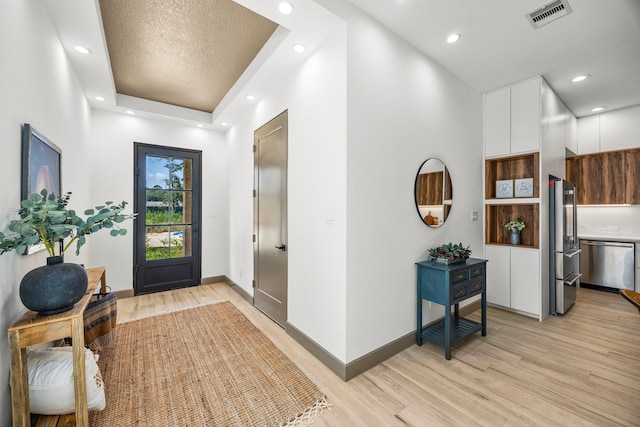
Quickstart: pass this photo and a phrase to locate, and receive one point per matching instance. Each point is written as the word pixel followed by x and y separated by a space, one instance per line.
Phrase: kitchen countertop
pixel 615 238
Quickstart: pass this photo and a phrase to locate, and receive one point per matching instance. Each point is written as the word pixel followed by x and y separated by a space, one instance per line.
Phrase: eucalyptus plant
pixel 45 218
pixel 514 224
pixel 451 251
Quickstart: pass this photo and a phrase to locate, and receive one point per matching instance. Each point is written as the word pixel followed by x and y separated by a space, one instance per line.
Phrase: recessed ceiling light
pixel 199 125
pixel 224 124
pixel 129 112
pixel 580 78
pixel 83 50
pixel 595 110
pixel 285 7
pixel 98 98
pixel 453 38
pixel 250 97
pixel 298 48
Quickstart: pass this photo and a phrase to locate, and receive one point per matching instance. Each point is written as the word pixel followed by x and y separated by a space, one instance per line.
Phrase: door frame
pixel 139 228
pixel 256 208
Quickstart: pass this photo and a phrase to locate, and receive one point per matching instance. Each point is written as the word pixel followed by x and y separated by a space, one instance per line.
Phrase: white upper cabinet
pixel 620 129
pixel 525 116
pixel 497 122
pixel 611 131
pixel 512 119
pixel 589 134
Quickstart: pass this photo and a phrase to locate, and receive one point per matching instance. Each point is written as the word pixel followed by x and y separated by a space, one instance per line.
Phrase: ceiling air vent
pixel 549 12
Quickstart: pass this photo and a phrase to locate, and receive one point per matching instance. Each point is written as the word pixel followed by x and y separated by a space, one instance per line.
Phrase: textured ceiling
pixel 187 53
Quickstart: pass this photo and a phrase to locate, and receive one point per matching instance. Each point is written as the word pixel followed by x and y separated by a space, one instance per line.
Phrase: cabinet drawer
pixel 475 287
pixel 476 272
pixel 466 290
pixel 458 293
pixel 460 276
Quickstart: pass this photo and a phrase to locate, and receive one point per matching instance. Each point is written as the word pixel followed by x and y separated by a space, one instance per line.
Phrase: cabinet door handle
pixel 476 272
pixel 460 292
pixel 476 287
pixel 460 276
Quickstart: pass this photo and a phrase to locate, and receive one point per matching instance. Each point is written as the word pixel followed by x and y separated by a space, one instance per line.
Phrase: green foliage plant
pixel 514 224
pixel 450 251
pixel 45 218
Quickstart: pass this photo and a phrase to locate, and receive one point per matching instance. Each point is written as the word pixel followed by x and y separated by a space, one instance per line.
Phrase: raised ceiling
pixel 498 47
pixel 181 52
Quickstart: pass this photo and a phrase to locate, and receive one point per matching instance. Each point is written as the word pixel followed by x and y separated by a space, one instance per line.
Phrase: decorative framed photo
pixel 40 163
pixel 504 188
pixel 524 187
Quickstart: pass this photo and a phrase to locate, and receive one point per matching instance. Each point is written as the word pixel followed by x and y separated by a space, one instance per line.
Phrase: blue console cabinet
pixel 449 285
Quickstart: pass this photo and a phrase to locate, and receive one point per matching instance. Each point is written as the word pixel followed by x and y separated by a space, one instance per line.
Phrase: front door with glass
pixel 167 198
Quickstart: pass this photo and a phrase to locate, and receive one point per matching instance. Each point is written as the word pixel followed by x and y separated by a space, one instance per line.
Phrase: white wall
pixel 111 145
pixel 315 96
pixel 399 109
pixel 615 222
pixel 403 108
pixel 38 87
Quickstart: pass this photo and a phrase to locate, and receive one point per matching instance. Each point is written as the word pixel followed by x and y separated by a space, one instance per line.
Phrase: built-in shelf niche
pixel 513 167
pixel 496 215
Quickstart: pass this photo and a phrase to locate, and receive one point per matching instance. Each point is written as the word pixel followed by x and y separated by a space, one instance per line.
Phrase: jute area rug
pixel 206 366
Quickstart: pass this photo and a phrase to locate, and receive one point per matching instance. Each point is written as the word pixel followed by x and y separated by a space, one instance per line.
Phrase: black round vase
pixel 53 288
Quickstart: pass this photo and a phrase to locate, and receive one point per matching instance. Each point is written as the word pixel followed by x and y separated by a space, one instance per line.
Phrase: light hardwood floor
pixel 581 369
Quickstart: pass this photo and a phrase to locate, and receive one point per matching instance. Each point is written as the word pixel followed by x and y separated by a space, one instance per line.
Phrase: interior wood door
pixel 167 197
pixel 270 219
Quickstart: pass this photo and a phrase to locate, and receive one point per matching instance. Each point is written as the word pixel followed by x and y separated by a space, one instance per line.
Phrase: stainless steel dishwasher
pixel 609 264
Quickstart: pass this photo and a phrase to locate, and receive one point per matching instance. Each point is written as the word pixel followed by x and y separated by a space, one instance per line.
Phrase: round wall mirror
pixel 433 192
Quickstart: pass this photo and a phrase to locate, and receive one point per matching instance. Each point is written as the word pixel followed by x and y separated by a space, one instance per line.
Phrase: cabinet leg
pixel 483 311
pixel 447 332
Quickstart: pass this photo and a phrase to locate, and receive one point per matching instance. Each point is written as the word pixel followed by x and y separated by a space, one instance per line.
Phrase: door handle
pixel 282 247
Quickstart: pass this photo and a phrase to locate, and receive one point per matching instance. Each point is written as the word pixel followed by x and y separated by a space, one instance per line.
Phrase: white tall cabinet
pixel 526 128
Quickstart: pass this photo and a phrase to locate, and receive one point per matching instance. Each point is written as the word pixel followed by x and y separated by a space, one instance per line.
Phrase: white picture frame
pixel 504 188
pixel 524 187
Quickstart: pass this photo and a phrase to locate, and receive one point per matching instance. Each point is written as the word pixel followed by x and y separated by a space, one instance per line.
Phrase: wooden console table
pixel 33 329
pixel 449 285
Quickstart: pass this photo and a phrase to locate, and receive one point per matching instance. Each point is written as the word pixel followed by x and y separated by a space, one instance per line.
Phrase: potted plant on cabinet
pixel 514 226
pixel 45 219
pixel 449 253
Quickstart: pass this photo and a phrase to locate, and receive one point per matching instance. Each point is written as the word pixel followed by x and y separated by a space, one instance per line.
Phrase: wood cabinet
pixel 496 215
pixel 429 188
pixel 606 178
pixel 511 167
pixel 32 329
pixel 449 285
pixel 512 119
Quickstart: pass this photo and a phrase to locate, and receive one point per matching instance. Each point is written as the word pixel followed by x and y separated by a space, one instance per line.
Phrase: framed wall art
pixel 524 187
pixel 504 188
pixel 41 160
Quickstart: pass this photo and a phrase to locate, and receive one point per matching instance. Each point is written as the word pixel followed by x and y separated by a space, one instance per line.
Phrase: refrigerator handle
pixel 574 253
pixel 574 279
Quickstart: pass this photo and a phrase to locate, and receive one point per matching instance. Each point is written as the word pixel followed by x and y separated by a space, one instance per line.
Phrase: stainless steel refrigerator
pixel 564 262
